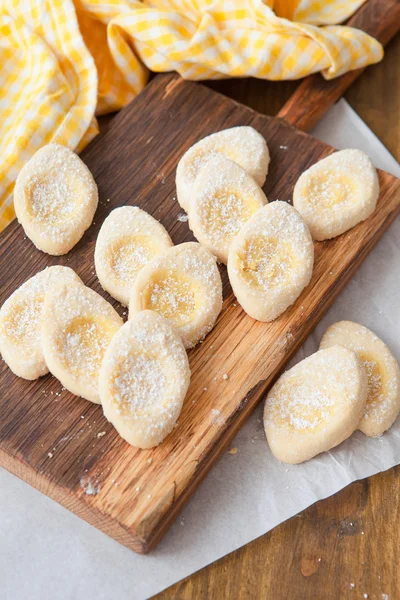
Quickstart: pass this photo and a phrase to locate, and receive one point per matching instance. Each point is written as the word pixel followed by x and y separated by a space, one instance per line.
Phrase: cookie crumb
pixel 232 451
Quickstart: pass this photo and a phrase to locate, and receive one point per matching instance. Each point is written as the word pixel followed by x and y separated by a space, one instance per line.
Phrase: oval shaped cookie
pixel 128 239
pixel 244 145
pixel 315 405
pixel 144 378
pixel 184 286
pixel 336 193
pixel 224 198
pixel 78 325
pixel 383 401
pixel 55 198
pixel 21 319
pixel 270 262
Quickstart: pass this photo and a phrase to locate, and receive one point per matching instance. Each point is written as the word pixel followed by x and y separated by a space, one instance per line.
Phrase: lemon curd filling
pixel 175 296
pixel 330 191
pixel 53 198
pixel 21 323
pixel 375 383
pixel 224 212
pixel 266 261
pixel 84 341
pixel 129 254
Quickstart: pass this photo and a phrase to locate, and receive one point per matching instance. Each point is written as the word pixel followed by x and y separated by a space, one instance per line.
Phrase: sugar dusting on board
pixel 91 487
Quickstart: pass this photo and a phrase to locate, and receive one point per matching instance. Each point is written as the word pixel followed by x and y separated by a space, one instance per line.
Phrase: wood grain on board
pixel 50 438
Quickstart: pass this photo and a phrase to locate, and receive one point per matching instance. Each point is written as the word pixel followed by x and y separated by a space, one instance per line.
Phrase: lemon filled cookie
pixel 128 239
pixel 78 325
pixel 336 193
pixel 244 145
pixel 383 401
pixel 21 319
pixel 315 405
pixel 270 262
pixel 144 378
pixel 55 198
pixel 184 286
pixel 224 197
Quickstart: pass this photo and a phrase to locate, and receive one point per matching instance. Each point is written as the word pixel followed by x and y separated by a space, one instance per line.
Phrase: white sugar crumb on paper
pixel 50 454
pixel 352 585
pixel 91 488
pixel 183 218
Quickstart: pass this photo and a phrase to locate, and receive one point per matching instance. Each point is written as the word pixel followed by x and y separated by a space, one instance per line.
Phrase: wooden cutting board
pixel 62 444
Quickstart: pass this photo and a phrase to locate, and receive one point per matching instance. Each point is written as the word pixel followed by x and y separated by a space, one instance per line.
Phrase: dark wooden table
pixel 321 553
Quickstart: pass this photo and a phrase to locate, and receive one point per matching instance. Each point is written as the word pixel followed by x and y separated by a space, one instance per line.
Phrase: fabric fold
pixel 63 61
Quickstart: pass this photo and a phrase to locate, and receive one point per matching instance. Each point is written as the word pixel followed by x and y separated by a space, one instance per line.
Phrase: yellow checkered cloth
pixel 63 61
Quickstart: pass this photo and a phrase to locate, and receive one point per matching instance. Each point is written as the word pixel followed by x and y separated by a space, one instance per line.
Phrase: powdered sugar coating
pixel 55 198
pixel 243 145
pixel 270 262
pixel 315 405
pixel 184 285
pixel 224 197
pixel 21 319
pixel 144 378
pixel 128 239
pixel 77 327
pixel 383 371
pixel 336 193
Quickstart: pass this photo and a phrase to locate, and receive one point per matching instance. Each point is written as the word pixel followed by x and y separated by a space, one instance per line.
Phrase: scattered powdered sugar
pixel 141 382
pixel 128 258
pixel 174 299
pixel 307 396
pixel 84 348
pixel 183 218
pixel 52 197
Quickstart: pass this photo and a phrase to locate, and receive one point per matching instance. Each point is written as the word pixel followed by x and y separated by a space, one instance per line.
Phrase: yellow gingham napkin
pixel 62 62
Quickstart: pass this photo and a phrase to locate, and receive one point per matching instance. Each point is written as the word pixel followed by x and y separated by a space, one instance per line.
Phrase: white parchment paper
pixel 47 552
